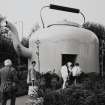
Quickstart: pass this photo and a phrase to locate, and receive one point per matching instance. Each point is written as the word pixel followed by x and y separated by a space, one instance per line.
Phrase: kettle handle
pixel 61 8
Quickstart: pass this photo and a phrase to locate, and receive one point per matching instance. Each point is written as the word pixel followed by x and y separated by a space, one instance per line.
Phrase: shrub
pixel 89 91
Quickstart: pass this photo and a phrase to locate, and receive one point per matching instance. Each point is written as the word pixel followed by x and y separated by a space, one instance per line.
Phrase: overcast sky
pixel 28 11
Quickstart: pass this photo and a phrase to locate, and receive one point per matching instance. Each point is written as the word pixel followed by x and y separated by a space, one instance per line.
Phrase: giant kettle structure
pixel 53 46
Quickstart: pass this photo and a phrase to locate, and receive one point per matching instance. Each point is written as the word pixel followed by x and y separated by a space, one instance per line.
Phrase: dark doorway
pixel 68 57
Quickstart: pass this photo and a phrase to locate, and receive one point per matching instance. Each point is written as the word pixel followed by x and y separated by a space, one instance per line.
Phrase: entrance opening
pixel 68 57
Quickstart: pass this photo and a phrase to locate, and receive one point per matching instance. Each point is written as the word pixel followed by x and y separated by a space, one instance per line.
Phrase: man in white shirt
pixel 65 72
pixel 76 71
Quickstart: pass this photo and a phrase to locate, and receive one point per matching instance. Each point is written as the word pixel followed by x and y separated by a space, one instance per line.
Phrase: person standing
pixel 76 71
pixel 31 78
pixel 8 80
pixel 65 70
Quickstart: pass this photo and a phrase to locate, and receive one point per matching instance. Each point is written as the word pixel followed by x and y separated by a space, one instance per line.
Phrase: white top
pixel 76 70
pixel 32 73
pixel 64 72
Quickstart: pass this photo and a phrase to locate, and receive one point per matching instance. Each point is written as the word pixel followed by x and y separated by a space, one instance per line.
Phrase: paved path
pixel 19 100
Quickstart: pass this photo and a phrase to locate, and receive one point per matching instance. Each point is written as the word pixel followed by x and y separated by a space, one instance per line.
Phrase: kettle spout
pixel 19 48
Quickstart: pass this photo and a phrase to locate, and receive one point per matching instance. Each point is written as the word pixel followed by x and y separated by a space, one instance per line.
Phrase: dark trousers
pixel 8 95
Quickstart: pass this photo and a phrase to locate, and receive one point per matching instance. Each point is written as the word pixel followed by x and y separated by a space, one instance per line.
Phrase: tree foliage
pixel 97 28
pixel 99 31
pixel 7 49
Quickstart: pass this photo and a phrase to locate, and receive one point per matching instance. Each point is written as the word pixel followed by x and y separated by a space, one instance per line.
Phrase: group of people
pixel 70 71
pixel 9 81
pixel 8 78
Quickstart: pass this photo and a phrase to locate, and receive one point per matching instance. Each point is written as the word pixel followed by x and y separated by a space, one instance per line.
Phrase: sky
pixel 28 12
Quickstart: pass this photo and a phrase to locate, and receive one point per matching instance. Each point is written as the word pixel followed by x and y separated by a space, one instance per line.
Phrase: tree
pixel 99 30
pixel 6 46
